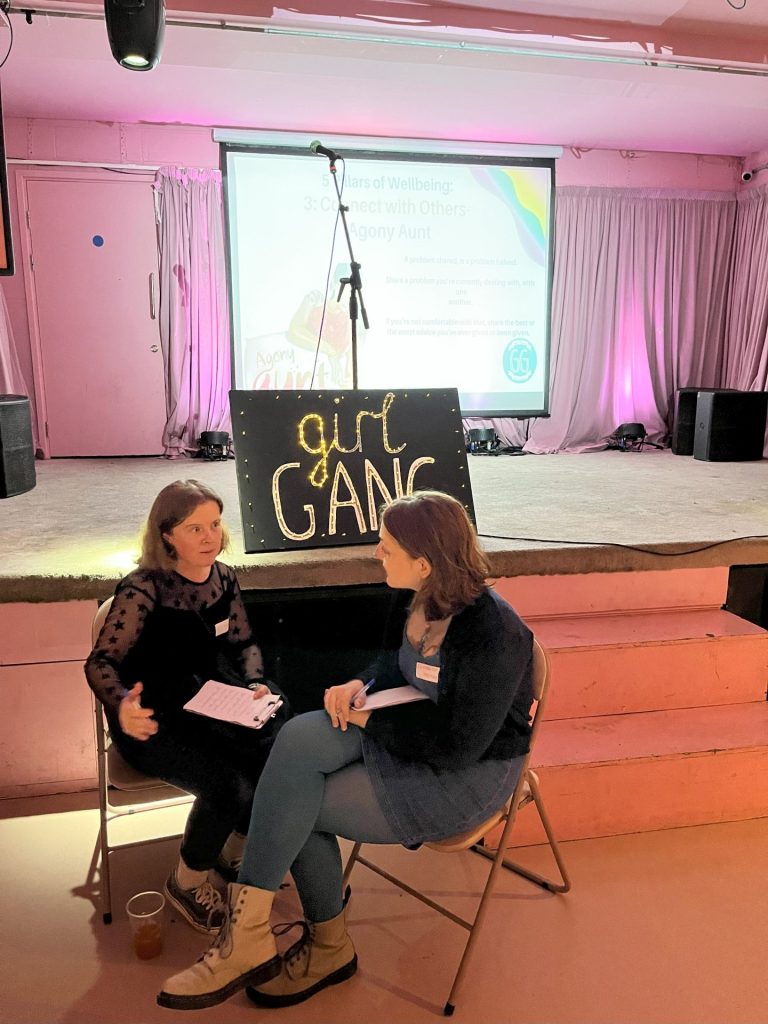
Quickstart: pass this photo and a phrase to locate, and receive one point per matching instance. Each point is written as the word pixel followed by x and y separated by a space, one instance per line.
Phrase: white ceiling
pixel 62 68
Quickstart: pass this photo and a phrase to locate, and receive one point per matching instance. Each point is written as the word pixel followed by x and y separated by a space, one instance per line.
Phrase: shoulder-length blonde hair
pixel 435 526
pixel 172 506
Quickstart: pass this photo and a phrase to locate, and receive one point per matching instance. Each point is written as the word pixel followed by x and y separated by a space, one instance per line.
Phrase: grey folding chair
pixel 526 792
pixel 123 790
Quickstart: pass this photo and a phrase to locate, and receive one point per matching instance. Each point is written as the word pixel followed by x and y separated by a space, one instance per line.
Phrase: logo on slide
pixel 519 360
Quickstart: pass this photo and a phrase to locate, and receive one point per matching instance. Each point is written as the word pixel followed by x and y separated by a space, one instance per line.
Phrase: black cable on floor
pixel 626 547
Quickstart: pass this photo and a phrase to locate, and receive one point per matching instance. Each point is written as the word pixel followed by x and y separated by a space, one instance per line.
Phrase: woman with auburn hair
pixel 175 622
pixel 404 774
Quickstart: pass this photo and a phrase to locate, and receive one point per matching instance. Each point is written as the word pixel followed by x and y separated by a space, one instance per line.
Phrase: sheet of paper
pixel 389 698
pixel 233 704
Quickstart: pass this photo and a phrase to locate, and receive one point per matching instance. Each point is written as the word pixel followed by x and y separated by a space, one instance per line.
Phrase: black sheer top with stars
pixel 172 635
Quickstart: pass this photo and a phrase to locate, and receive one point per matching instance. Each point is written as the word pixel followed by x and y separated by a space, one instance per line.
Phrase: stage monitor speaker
pixel 17 453
pixel 684 425
pixel 730 426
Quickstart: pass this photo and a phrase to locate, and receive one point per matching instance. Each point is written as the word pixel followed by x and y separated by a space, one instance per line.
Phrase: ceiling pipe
pixel 553 51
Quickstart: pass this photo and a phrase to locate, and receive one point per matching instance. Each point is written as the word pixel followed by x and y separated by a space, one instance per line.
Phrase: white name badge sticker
pixel 429 673
pixel 222 627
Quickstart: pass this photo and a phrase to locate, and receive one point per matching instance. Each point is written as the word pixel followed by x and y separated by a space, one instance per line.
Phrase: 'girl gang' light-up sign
pixel 314 467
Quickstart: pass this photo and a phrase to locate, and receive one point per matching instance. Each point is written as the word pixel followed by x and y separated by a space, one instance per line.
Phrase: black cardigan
pixel 484 697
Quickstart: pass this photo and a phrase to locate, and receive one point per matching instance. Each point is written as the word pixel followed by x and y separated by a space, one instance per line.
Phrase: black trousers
pixel 218 763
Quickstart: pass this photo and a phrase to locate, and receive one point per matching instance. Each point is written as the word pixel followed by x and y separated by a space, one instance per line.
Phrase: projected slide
pixel 456 272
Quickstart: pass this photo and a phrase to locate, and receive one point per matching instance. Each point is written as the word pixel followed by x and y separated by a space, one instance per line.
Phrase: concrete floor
pixel 659 928
pixel 75 534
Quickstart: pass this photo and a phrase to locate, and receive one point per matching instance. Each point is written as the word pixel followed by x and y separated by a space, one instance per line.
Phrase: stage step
pixel 649 661
pixel 617 774
pixel 595 592
pixel 657 715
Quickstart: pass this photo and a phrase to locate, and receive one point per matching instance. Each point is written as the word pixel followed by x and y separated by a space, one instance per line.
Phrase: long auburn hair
pixel 172 506
pixel 436 527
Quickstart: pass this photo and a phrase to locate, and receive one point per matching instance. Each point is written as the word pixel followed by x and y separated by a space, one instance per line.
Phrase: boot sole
pixel 275 1002
pixel 258 976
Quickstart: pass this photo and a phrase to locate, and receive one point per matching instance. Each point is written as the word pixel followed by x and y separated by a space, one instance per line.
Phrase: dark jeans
pixel 218 763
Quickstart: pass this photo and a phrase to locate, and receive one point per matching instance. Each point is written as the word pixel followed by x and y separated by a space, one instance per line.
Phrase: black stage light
pixel 215 445
pixel 135 29
pixel 482 440
pixel 629 437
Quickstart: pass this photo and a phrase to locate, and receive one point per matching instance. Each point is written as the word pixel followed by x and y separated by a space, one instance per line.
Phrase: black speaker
pixel 748 593
pixel 730 426
pixel 17 453
pixel 684 424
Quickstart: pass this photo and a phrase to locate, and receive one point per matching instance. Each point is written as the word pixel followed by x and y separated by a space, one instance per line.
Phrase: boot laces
pixel 222 944
pixel 300 952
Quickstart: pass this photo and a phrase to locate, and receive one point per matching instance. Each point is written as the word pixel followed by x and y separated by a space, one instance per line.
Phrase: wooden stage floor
pixel 75 534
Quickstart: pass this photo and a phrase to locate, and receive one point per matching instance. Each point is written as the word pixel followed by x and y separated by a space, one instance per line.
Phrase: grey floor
pixel 76 531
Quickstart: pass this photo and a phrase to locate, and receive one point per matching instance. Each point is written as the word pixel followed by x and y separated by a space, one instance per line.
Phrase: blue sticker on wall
pixel 98 241
pixel 519 360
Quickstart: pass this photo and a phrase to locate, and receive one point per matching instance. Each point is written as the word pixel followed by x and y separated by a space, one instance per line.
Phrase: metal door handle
pixel 152 307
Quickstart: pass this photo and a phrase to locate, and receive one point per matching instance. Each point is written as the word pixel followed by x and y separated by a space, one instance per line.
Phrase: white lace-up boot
pixel 243 953
pixel 323 956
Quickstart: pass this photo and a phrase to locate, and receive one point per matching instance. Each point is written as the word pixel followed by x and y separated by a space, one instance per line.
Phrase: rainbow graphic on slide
pixel 526 196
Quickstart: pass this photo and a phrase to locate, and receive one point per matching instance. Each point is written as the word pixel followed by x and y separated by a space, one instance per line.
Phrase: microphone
pixel 318 147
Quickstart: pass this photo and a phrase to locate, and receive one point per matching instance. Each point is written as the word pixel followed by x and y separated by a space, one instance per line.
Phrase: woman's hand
pixel 260 691
pixel 136 721
pixel 340 702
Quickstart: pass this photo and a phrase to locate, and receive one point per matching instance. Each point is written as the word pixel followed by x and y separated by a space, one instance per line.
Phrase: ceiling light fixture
pixel 135 29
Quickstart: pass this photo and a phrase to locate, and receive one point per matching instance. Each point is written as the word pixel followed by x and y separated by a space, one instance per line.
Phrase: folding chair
pixel 123 790
pixel 526 791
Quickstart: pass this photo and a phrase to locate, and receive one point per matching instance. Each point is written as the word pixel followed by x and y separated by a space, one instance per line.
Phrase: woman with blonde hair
pixel 175 622
pixel 403 774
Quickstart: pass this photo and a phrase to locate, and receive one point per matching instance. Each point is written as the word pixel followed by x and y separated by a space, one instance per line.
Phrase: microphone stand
pixel 356 303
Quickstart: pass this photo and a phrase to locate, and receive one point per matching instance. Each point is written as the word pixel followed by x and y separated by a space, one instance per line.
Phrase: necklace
pixel 432 636
pixel 423 643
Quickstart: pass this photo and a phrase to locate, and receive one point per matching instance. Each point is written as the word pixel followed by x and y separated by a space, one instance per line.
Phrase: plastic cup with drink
pixel 145 912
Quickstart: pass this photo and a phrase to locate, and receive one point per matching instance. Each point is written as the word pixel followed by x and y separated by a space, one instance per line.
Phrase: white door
pixel 94 271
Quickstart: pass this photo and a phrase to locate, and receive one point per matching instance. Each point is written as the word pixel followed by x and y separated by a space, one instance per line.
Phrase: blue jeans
pixel 313 788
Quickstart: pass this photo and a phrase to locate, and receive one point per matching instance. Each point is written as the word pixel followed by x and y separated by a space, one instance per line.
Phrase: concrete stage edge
pixel 75 534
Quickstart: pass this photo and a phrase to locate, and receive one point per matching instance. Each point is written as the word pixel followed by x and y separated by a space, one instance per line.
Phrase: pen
pixel 362 690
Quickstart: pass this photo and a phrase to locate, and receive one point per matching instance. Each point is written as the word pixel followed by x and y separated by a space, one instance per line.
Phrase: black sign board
pixel 314 467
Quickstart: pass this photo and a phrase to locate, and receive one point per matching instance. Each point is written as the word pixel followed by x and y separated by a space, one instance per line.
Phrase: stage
pixel 75 534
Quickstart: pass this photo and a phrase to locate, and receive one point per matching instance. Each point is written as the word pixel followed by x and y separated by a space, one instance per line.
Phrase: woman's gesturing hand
pixel 136 721
pixel 340 703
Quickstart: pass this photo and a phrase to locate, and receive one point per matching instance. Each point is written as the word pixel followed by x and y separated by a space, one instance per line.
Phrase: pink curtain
pixel 746 361
pixel 194 319
pixel 11 378
pixel 638 309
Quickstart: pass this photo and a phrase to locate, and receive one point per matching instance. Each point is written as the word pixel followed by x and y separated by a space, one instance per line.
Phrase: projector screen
pixel 456 257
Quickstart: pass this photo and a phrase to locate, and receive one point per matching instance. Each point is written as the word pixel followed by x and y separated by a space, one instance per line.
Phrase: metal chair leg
pixel 564 884
pixel 104 877
pixel 474 933
pixel 350 863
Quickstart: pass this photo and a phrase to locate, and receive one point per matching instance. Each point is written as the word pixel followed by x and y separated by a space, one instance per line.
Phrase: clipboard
pixel 234 704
